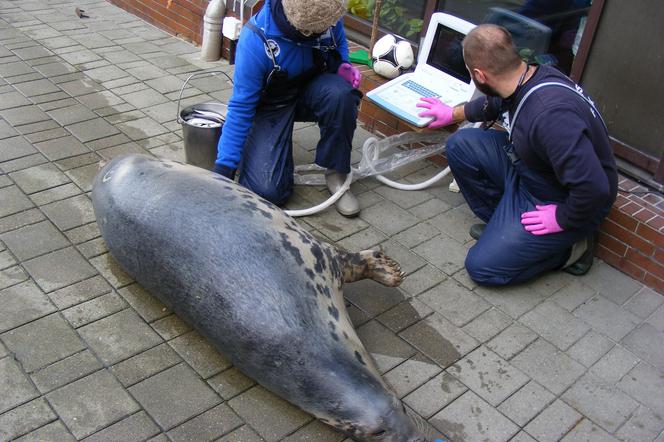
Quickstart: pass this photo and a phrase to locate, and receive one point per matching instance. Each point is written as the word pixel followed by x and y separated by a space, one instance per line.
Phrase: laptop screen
pixel 446 54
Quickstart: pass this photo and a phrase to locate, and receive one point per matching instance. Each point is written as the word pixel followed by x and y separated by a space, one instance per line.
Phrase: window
pixel 401 17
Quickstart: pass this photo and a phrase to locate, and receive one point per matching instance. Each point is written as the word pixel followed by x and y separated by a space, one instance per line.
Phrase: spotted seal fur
pixel 260 288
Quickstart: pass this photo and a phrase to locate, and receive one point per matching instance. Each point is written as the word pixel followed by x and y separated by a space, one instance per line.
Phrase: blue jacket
pixel 253 64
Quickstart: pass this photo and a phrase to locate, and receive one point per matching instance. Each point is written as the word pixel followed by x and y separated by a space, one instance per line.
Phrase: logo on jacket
pixel 272 46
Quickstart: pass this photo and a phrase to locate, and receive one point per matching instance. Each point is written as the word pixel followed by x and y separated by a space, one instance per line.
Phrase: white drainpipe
pixel 214 15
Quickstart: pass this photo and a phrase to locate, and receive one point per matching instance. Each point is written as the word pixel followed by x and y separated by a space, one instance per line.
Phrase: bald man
pixel 544 186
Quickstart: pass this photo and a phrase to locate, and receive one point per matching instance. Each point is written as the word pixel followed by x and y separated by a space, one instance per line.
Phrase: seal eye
pixel 378 434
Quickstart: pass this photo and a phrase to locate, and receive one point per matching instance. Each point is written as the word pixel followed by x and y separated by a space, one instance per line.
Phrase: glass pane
pixel 545 31
pixel 401 17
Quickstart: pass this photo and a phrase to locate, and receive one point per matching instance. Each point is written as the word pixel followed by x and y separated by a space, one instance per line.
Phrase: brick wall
pixel 632 237
pixel 183 18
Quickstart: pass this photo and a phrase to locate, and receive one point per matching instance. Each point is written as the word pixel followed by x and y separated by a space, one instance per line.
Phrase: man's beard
pixel 486 89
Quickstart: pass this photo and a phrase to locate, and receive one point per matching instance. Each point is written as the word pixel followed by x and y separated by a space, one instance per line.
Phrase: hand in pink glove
pixel 442 114
pixel 541 221
pixel 350 73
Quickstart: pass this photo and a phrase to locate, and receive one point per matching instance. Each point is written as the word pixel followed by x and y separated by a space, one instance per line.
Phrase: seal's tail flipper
pixel 373 265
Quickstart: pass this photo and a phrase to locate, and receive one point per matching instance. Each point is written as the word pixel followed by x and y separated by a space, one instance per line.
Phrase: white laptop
pixel 440 72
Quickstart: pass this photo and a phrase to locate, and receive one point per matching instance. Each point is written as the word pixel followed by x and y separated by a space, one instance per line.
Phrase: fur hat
pixel 313 16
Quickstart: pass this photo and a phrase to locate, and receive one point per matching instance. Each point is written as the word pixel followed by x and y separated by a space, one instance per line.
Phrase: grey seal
pixel 260 288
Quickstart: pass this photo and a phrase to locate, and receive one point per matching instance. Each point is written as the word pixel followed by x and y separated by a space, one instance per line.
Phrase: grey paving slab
pixel 607 317
pixel 555 324
pixel 42 342
pixel 315 430
pixel 138 426
pixel 22 303
pixel 174 396
pixel 12 276
pixel 119 336
pixel 512 340
pixel 94 309
pixel 15 68
pixel 657 319
pixel 71 212
pixel 55 69
pixel 61 147
pixel 388 217
pixel 37 87
pixel 642 425
pixel 554 422
pixel 15 387
pixel 614 365
pixel 91 403
pixel 200 355
pixel 24 115
pixel 444 253
pixel 79 292
pixel 59 269
pixel 611 283
pixel 411 374
pixel 647 343
pixel 230 383
pixel 644 303
pixel 38 178
pixel 385 348
pixel 53 431
pixel 25 418
pixel 487 325
pixel 526 403
pixel 409 261
pixel 422 280
pixel 439 339
pixel 270 416
pixel 34 240
pixel 146 305
pixel 71 114
pixel 372 297
pixel 514 301
pixel 590 348
pixel 416 235
pixel 65 371
pixel 141 128
pixel 91 130
pixel 145 364
pixel 586 431
pixel 603 403
pixel 6 130
pixel 545 364
pixel 435 394
pixel 470 418
pixel 488 375
pixel 28 216
pixel 404 315
pixel 455 302
pixel 212 424
pixel 242 434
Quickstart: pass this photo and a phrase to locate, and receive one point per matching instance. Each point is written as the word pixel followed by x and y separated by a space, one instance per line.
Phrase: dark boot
pixel 582 265
pixel 476 231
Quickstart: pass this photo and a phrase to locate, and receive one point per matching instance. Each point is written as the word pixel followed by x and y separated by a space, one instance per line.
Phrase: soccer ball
pixel 391 55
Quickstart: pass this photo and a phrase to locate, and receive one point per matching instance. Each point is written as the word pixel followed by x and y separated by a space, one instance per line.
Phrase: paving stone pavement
pixel 87 354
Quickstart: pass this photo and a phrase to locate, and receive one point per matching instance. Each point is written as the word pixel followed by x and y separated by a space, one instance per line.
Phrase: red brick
pixel 645 262
pixel 656 283
pixel 611 228
pixel 623 219
pixel 612 244
pixel 631 208
pixel 644 215
pixel 657 223
pixel 608 256
pixel 659 255
pixel 651 235
pixel 385 129
pixel 620 201
pixel 387 118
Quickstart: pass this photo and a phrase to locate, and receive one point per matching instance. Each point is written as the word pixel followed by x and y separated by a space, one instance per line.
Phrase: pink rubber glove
pixel 541 221
pixel 350 73
pixel 441 113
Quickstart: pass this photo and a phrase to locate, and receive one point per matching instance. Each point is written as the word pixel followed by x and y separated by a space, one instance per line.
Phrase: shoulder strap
pixel 258 31
pixel 593 109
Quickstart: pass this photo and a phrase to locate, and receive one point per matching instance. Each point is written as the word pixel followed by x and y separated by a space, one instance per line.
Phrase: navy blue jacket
pixel 253 64
pixel 558 137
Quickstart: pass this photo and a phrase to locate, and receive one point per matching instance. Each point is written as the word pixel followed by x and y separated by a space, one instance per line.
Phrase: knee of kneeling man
pixel 276 196
pixel 482 272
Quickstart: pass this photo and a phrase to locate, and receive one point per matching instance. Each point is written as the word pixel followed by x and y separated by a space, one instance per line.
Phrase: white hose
pixel 325 204
pixel 418 186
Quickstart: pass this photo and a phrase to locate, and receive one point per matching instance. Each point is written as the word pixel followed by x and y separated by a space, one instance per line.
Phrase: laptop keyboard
pixel 419 89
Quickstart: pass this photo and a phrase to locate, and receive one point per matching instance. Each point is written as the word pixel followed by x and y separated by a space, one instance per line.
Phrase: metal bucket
pixel 201 128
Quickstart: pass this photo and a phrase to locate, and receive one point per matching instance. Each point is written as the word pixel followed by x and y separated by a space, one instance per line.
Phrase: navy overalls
pixel 314 96
pixel 499 187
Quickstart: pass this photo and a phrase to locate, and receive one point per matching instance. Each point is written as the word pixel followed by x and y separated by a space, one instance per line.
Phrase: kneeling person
pixel 544 187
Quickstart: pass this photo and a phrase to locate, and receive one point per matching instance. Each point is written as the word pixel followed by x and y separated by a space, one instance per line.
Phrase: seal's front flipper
pixel 373 265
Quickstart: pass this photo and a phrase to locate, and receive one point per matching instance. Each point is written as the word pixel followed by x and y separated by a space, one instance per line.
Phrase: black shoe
pixel 476 231
pixel 583 264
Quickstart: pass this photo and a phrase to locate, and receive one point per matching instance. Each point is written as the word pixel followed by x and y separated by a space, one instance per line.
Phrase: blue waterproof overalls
pixel 316 95
pixel 499 187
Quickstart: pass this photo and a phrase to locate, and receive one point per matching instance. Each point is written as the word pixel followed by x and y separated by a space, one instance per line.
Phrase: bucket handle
pixel 180 120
